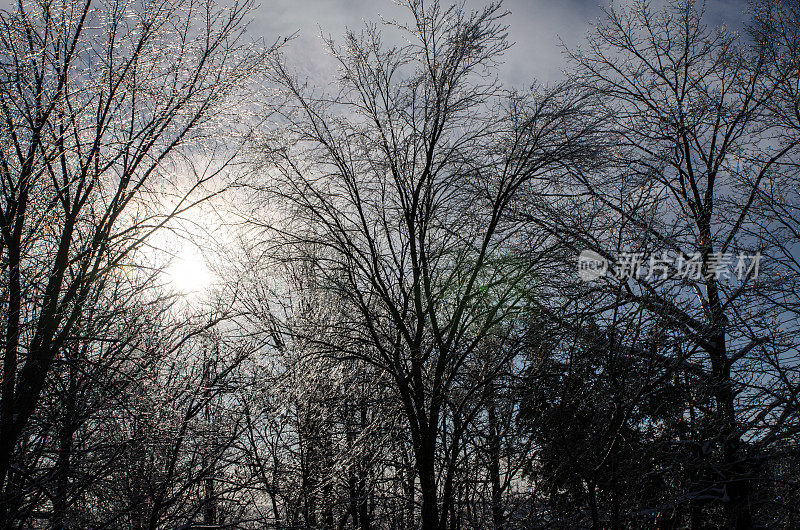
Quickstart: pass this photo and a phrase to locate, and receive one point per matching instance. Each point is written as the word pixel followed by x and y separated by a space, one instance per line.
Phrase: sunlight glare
pixel 187 272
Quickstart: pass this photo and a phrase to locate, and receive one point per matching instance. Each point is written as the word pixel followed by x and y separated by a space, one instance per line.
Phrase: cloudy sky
pixel 536 28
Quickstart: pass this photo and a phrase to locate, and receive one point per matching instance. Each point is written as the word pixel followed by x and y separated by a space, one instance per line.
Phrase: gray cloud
pixel 536 27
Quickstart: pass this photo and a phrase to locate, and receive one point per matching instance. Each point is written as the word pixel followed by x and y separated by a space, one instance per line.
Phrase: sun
pixel 187 272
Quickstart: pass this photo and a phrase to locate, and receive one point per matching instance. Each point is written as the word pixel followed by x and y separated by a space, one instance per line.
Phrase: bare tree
pixel 399 184
pixel 692 143
pixel 97 100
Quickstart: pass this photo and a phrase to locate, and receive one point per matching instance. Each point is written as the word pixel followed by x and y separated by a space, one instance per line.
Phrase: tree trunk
pixel 8 436
pixel 592 494
pixel 210 509
pixel 63 461
pixel 427 482
pixel 494 461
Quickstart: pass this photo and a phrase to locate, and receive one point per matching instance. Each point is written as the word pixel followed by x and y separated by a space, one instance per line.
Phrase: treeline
pixel 399 334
